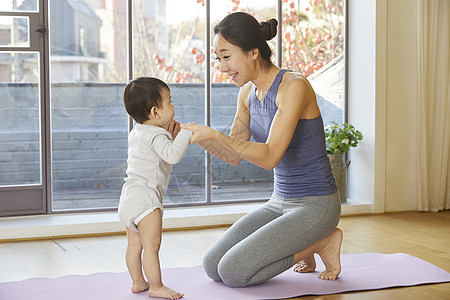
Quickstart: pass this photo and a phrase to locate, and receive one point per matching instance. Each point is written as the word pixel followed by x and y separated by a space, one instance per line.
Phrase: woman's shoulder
pixel 296 83
pixel 295 79
pixel 295 88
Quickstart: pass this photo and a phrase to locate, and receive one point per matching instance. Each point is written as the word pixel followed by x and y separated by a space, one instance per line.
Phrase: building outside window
pixel 88 70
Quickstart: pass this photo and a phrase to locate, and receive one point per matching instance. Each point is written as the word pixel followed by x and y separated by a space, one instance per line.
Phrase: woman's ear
pixel 254 53
pixel 153 113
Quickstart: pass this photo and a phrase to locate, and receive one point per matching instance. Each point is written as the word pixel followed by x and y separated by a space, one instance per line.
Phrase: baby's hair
pixel 141 94
pixel 244 31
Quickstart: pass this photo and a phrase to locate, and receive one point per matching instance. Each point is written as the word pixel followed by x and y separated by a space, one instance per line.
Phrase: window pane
pixel 169 40
pixel 313 44
pixel 20 145
pixel 14 32
pixel 169 44
pixel 246 181
pixel 19 5
pixel 89 123
pixel 88 41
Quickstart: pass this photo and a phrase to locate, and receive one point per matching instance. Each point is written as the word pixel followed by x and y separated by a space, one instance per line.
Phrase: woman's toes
pixel 328 275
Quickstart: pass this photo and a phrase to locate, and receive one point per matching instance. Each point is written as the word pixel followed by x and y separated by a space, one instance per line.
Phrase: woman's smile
pixel 232 75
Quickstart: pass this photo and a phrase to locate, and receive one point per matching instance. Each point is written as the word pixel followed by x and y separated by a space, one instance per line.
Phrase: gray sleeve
pixel 171 151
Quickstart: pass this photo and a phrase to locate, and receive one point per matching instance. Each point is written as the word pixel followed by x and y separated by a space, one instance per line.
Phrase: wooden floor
pixel 424 235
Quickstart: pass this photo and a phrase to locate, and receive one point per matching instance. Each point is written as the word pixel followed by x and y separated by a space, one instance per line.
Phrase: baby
pixel 155 143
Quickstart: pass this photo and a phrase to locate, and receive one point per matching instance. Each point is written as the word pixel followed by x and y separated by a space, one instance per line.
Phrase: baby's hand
pixel 174 128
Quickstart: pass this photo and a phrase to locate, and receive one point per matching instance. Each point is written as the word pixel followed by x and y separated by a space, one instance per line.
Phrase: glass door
pixel 22 138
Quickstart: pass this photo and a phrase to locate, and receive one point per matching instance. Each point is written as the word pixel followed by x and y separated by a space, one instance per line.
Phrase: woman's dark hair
pixel 244 31
pixel 141 94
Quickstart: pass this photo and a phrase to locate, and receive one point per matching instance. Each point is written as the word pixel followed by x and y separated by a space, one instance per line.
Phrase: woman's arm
pixel 221 152
pixel 240 129
pixel 293 98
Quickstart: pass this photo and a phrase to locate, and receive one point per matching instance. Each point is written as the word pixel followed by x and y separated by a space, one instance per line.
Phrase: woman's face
pixel 237 64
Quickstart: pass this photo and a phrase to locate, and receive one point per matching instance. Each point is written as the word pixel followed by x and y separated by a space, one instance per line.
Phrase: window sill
pixel 86 224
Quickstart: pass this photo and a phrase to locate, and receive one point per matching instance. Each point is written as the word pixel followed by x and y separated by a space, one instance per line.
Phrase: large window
pixel 169 42
pixel 246 181
pixel 76 148
pixel 89 126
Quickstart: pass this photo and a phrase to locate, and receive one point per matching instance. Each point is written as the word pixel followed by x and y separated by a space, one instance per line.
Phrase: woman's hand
pixel 200 133
pixel 174 128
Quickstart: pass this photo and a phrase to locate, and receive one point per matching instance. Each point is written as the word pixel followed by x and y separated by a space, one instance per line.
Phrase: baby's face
pixel 167 110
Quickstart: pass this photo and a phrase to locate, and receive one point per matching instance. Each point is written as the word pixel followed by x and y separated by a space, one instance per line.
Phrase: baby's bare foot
pixel 330 255
pixel 139 286
pixel 306 265
pixel 164 292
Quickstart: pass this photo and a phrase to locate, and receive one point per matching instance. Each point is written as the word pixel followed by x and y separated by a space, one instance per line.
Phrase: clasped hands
pixel 200 133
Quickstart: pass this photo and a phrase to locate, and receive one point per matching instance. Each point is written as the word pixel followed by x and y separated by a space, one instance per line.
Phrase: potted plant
pixel 340 137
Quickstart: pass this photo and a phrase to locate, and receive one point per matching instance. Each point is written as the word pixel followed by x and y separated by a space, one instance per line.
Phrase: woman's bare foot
pixel 306 265
pixel 330 255
pixel 139 286
pixel 164 292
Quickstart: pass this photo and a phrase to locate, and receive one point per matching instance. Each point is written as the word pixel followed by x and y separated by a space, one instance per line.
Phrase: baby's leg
pixel 150 232
pixel 133 259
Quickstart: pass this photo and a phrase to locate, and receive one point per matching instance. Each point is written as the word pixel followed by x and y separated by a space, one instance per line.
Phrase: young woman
pixel 278 109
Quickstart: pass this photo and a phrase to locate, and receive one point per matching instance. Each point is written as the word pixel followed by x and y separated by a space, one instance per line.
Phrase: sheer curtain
pixel 434 105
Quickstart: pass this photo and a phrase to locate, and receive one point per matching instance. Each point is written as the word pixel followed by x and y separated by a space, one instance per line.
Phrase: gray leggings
pixel 262 244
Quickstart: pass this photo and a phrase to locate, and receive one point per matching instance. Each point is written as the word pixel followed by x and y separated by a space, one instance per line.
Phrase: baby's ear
pixel 153 113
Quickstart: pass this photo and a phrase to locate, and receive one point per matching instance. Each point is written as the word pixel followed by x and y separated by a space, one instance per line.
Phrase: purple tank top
pixel 304 169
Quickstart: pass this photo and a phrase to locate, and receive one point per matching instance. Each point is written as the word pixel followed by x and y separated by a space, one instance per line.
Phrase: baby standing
pixel 155 143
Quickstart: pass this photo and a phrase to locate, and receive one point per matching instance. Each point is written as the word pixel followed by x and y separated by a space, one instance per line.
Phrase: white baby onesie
pixel 151 154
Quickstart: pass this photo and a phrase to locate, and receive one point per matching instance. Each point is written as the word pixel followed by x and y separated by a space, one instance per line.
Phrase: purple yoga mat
pixel 368 271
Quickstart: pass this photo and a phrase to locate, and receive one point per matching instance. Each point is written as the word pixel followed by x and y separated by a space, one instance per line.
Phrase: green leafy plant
pixel 340 137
